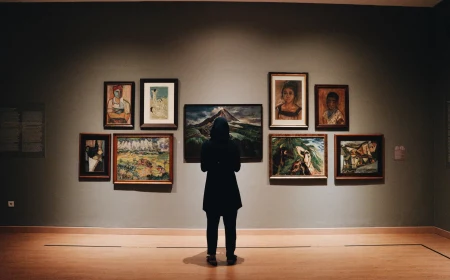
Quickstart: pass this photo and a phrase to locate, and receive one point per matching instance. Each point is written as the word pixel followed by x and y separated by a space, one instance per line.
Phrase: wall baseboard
pixel 195 232
pixel 442 232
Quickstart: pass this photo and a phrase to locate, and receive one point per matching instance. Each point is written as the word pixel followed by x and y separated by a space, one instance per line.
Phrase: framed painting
pixel 143 158
pixel 245 121
pixel 118 105
pixel 288 100
pixel 359 156
pixel 159 104
pixel 94 157
pixel 298 156
pixel 332 110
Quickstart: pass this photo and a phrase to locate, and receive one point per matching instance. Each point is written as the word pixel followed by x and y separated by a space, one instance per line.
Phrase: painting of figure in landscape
pixel 245 123
pixel 143 158
pixel 298 156
pixel 159 103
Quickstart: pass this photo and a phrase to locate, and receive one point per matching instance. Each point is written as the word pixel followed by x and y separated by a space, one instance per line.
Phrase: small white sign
pixel 399 153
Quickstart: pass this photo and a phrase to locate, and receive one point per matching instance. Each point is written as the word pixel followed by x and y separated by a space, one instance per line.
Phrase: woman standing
pixel 220 157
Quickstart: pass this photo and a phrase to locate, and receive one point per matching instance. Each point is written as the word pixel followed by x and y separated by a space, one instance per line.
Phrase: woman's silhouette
pixel 220 157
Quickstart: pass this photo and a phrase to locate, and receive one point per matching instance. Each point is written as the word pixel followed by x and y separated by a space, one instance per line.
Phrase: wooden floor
pixel 350 256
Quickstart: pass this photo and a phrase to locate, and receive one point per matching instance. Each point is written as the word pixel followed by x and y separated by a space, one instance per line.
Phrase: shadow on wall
pixel 144 188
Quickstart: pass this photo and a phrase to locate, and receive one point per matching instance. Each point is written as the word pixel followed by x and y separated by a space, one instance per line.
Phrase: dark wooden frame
pixel 116 137
pixel 287 124
pixel 84 175
pixel 305 136
pixel 378 138
pixel 107 125
pixel 143 108
pixel 187 150
pixel 318 102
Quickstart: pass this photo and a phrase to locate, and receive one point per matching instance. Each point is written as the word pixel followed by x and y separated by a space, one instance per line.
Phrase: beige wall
pixel 60 55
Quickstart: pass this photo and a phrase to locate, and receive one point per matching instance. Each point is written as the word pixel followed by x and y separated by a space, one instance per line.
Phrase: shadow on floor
pixel 200 259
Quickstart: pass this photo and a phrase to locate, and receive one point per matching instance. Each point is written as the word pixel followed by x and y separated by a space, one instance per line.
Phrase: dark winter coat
pixel 220 157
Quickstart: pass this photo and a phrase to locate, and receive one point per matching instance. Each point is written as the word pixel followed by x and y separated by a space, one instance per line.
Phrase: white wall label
pixel 399 153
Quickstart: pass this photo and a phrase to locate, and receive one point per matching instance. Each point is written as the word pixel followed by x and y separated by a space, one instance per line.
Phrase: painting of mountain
pixel 245 123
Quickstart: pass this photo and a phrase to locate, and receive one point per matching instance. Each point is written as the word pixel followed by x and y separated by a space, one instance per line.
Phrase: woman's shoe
pixel 211 259
pixel 232 260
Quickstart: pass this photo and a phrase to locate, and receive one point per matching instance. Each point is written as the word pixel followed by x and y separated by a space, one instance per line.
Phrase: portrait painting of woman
pixel 288 109
pixel 118 105
pixel 288 100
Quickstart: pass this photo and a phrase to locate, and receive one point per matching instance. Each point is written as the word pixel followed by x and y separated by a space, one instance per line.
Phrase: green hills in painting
pixel 247 136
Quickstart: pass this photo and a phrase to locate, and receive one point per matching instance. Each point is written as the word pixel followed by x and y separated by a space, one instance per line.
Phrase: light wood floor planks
pixel 349 256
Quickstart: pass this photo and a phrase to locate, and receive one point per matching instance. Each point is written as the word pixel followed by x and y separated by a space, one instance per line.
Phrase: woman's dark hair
pixel 292 85
pixel 334 95
pixel 220 130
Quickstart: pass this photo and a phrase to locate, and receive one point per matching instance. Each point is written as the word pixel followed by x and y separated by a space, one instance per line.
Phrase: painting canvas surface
pixel 94 156
pixel 159 103
pixel 245 123
pixel 119 98
pixel 288 100
pixel 94 159
pixel 359 157
pixel 296 112
pixel 143 158
pixel 298 156
pixel 332 113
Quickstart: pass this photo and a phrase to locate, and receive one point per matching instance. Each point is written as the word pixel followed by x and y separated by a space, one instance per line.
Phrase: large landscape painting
pixel 245 123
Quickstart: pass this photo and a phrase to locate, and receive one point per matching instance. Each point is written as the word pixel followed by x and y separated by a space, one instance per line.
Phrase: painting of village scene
pixel 298 156
pixel 143 158
pixel 359 157
pixel 245 122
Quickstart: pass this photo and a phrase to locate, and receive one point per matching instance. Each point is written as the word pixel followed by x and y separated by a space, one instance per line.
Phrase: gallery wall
pixel 60 55
pixel 441 90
